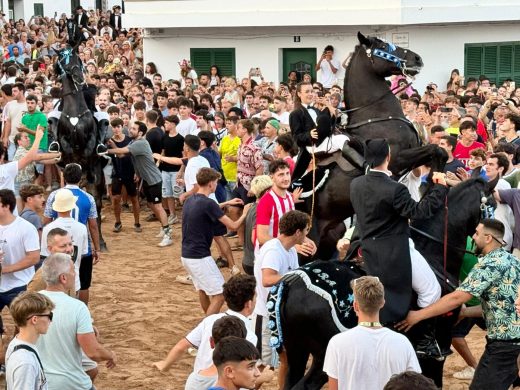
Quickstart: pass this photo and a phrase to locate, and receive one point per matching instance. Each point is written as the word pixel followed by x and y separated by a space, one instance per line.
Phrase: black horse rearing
pixel 374 112
pixel 76 129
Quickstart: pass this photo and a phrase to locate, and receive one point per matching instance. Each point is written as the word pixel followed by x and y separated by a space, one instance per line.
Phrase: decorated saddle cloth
pixel 307 182
pixel 328 279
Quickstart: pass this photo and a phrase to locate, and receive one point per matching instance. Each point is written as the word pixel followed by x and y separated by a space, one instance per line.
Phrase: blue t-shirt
pixel 85 207
pixel 214 162
pixel 216 388
pixel 200 215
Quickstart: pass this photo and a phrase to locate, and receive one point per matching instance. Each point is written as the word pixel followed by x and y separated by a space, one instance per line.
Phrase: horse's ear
pixel 362 39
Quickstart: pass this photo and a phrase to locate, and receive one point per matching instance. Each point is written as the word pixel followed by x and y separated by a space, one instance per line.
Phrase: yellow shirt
pixel 229 147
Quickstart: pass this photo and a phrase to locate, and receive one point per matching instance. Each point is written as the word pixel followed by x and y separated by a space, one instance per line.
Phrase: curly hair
pixel 238 291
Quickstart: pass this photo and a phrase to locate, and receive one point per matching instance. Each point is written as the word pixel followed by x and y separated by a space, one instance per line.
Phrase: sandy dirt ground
pixel 141 312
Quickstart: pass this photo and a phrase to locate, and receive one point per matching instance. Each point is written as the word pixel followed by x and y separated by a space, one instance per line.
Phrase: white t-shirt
pixel 274 256
pixel 8 173
pixel 23 370
pixel 283 118
pixel 504 214
pixel 59 349
pixel 16 239
pixel 413 184
pixel 79 235
pixel 327 76
pixel 366 358
pixel 192 168
pixel 187 126
pixel 14 111
pixel 199 337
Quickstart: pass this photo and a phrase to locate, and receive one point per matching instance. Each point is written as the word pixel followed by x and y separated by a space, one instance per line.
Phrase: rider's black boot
pixel 353 156
pixel 426 345
pixel 54 147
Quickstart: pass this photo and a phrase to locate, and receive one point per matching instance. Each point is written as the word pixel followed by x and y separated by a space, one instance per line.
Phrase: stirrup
pixel 54 147
pixel 101 150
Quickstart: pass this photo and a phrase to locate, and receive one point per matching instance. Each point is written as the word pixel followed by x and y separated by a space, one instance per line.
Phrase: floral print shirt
pixel 495 279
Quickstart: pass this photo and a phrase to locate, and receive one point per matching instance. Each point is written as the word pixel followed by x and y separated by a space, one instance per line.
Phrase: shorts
pixel 87 363
pixel 241 193
pixel 229 187
pixel 198 382
pixel 18 185
pixel 107 172
pixel 40 167
pixel 11 150
pixel 205 275
pixel 153 193
pixel 168 182
pixel 118 184
pixel 85 272
pixel 465 325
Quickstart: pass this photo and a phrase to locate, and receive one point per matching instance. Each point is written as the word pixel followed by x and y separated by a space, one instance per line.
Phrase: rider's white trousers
pixel 424 281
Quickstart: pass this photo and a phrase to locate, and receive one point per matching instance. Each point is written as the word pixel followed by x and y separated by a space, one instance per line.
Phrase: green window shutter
pixel 473 63
pixel 505 62
pixel 516 64
pixel 200 60
pixel 491 62
pixel 225 60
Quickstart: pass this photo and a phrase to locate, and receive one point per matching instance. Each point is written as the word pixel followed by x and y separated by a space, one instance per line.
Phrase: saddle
pixel 316 276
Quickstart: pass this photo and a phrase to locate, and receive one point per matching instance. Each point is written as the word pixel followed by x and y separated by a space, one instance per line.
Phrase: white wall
pixel 441 47
pixel 25 8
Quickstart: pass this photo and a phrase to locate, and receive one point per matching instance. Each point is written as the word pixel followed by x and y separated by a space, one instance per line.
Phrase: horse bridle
pixel 65 55
pixel 486 211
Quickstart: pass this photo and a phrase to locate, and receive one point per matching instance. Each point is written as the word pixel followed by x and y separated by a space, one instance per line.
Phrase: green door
pixel 301 60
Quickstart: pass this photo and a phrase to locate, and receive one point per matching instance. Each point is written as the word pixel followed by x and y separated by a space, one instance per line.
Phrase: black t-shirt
pixel 452 166
pixel 154 137
pixel 172 147
pixel 122 163
pixel 199 216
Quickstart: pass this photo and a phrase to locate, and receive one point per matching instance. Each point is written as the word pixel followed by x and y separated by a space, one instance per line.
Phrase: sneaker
pixel 160 234
pixel 138 228
pixel 231 235
pixel 118 226
pixel 151 218
pixel 172 219
pixel 193 351
pixel 184 279
pixel 2 369
pixel 221 262
pixel 166 241
pixel 466 373
pixel 235 270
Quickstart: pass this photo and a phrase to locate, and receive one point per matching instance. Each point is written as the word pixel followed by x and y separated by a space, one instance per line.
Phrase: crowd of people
pixel 217 154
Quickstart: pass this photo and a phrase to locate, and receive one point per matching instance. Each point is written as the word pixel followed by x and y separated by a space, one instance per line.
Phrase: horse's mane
pixel 460 189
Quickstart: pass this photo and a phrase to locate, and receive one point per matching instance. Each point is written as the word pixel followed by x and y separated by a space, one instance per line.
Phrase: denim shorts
pixel 40 167
pixel 168 182
pixel 230 186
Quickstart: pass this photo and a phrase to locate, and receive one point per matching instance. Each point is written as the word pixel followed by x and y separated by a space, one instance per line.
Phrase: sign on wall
pixel 401 39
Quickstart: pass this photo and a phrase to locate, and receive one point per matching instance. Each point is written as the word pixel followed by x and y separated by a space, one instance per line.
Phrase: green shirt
pixel 32 121
pixel 495 280
pixel 468 262
pixel 513 178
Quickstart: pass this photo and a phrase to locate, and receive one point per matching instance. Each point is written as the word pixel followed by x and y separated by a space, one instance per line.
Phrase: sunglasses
pixel 49 316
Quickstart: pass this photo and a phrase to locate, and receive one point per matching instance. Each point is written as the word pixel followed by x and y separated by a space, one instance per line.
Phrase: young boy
pixel 32 313
pixel 235 359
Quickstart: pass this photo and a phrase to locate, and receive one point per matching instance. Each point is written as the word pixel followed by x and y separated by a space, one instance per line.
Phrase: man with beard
pixel 146 169
pixel 276 202
pixel 494 279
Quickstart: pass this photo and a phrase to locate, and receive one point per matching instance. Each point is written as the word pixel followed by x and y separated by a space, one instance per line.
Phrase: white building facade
pixel 474 36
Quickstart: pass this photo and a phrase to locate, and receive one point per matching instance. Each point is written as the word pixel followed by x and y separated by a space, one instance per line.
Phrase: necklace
pixel 370 324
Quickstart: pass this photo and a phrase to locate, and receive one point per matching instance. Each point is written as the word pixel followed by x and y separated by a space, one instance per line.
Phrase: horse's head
pixel 388 59
pixel 469 202
pixel 69 65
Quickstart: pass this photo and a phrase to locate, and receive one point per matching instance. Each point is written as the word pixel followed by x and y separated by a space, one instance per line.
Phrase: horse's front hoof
pixel 54 147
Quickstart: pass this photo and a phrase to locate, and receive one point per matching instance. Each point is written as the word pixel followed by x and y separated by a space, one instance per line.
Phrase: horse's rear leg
pixel 297 358
pixel 315 377
pixel 432 368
